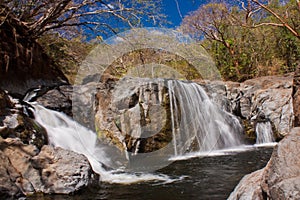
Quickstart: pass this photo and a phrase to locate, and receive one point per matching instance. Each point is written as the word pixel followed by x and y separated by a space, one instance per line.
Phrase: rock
pixel 51 170
pixel 62 171
pixel 133 108
pixel 15 124
pixel 296 96
pixel 24 65
pixel 20 156
pixel 280 179
pixel 248 188
pixel 261 99
pixel 59 99
pixel 8 177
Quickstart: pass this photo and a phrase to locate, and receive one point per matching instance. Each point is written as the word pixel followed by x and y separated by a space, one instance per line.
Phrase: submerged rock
pixel 24 170
pixel 280 179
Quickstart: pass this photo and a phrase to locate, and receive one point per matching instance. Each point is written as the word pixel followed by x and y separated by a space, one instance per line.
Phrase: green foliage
pixel 67 54
pixel 261 46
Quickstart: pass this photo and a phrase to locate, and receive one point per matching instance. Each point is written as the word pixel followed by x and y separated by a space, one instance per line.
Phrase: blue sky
pixel 174 12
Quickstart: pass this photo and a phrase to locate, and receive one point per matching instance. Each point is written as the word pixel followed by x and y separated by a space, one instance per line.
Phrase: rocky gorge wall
pixel 254 101
pixel 257 100
pixel 23 63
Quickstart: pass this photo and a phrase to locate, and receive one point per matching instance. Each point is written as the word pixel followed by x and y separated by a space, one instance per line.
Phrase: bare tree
pixel 212 21
pixel 289 17
pixel 40 16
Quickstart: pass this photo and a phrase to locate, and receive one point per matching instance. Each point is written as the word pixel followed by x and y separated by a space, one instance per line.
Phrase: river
pixel 209 177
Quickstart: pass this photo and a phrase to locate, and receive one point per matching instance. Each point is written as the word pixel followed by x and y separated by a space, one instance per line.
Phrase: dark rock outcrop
pixel 25 170
pixel 280 179
pixel 59 99
pixel 24 65
pixel 296 96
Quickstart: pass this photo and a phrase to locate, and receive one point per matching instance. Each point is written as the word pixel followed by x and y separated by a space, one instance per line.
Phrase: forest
pixel 247 39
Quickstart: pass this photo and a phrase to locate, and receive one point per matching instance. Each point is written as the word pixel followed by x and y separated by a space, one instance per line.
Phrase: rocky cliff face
pixel 135 115
pixel 265 99
pixel 256 101
pixel 280 179
pixel 23 63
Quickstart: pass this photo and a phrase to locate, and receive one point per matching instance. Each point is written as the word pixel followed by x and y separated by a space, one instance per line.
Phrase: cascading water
pixel 201 121
pixel 197 125
pixel 264 133
pixel 66 133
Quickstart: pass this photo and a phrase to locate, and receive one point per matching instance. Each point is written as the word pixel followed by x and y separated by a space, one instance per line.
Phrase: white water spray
pixel 197 120
pixel 264 133
pixel 66 133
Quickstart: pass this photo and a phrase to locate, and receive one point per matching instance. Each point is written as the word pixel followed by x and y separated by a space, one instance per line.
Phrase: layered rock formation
pixel 261 100
pixel 280 179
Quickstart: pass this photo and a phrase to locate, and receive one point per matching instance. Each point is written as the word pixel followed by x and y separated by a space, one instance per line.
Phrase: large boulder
pixel 58 98
pixel 280 179
pixel 248 187
pixel 24 170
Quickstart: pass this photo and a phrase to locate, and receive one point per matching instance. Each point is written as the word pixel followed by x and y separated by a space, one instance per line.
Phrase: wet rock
pixel 51 170
pixel 15 124
pixel 59 99
pixel 265 98
pixel 280 179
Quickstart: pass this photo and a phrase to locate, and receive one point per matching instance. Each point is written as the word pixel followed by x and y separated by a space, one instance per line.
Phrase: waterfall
pixel 199 122
pixel 264 133
pixel 66 133
pixel 197 125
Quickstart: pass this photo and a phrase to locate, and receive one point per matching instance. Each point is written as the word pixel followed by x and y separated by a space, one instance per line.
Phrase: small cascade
pixel 199 123
pixel 66 133
pixel 264 133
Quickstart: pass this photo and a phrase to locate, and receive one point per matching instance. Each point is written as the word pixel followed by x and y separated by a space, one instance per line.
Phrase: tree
pixel 212 22
pixel 41 16
pixel 284 14
pixel 287 17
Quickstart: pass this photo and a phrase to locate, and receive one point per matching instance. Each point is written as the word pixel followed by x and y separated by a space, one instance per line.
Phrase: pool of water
pixel 202 177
